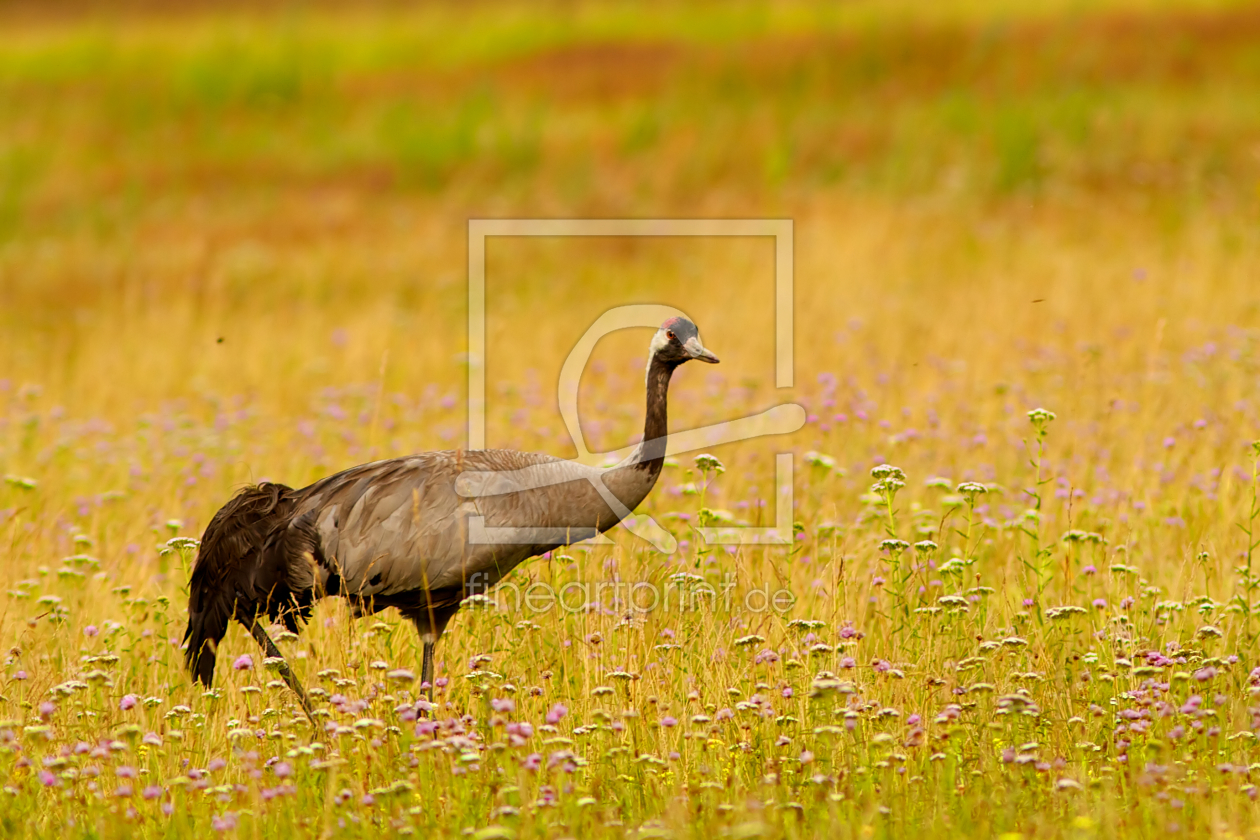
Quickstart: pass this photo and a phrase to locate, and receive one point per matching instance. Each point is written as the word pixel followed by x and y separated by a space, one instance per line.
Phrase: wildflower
pixel 886 471
pixel 708 463
pixel 1040 417
pixel 557 713
pixel 887 486
pixel 282 769
pixel 151 792
pixel 216 764
pixel 818 459
pixel 1100 603
pixel 128 702
pixel 669 722
pixel 504 705
pixel 46 709
pixel 47 779
pixel 972 489
pixel 244 662
pixel 90 630
pixel 532 761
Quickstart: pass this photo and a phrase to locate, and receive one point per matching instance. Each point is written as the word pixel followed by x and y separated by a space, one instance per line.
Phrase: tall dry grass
pixel 232 247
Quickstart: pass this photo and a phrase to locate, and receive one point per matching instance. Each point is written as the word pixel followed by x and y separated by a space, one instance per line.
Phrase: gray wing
pixel 401 525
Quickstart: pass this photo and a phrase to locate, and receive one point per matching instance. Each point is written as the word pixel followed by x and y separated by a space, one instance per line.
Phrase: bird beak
pixel 696 350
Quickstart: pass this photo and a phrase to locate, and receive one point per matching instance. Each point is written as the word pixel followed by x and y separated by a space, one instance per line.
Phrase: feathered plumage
pixel 402 532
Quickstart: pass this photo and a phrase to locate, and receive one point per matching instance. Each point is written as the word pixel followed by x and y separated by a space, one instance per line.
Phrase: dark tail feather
pixel 203 635
pixel 231 569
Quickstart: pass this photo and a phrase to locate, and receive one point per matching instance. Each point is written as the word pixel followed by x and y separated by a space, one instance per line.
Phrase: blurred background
pixel 254 201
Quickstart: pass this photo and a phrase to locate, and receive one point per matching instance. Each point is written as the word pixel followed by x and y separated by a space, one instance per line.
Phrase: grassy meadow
pixel 233 247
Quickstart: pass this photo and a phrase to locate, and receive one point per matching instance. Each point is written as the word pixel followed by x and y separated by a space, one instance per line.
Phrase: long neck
pixel 632 479
pixel 651 451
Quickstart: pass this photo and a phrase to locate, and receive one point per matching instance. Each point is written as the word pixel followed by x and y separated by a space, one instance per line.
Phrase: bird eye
pixel 670 335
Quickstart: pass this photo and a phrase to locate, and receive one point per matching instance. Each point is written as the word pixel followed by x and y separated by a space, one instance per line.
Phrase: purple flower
pixel 532 761
pixel 216 764
pixel 669 721
pixel 151 792
pixel 47 779
pixel 244 662
pixel 46 709
pixel 504 705
pixel 90 630
pixel 282 769
pixel 557 713
pixel 125 772
pixel 1100 603
pixel 128 702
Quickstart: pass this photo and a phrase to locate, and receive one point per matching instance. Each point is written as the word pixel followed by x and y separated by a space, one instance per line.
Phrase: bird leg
pixel 269 647
pixel 426 670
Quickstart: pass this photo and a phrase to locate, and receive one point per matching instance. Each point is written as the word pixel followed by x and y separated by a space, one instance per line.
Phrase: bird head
pixel 678 341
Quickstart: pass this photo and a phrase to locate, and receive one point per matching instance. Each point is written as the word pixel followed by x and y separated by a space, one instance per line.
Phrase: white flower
pixel 708 463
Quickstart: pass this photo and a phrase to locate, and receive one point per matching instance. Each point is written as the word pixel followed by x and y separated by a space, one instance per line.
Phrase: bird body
pixel 410 532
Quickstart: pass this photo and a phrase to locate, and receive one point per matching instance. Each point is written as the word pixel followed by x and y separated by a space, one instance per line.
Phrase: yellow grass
pixel 233 247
